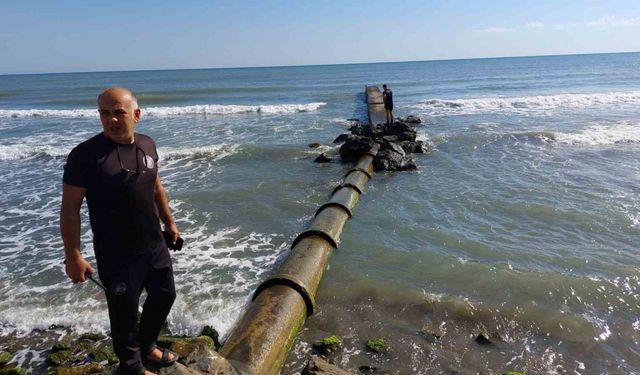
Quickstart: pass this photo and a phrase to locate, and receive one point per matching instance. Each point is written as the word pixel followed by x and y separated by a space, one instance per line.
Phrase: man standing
pixel 387 98
pixel 117 172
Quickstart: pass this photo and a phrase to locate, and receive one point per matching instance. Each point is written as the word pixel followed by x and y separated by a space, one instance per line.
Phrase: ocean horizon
pixel 323 64
pixel 522 225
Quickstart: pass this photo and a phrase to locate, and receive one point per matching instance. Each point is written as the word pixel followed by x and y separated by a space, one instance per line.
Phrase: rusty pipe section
pixel 261 340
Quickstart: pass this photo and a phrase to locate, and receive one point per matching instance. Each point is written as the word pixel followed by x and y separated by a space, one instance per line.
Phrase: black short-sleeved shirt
pixel 387 97
pixel 120 181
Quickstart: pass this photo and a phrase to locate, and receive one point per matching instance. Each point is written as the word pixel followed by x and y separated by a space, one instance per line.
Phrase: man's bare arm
pixel 75 265
pixel 162 202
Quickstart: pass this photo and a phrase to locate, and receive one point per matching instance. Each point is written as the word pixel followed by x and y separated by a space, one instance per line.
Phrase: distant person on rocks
pixel 387 98
pixel 117 172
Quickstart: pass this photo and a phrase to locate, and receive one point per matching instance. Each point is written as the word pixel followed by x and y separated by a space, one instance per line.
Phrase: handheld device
pixel 173 246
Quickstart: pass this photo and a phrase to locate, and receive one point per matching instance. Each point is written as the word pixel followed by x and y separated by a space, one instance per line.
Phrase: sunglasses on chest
pixel 137 171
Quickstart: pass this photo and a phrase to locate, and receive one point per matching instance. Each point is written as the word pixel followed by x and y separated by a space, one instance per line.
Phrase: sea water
pixel 522 225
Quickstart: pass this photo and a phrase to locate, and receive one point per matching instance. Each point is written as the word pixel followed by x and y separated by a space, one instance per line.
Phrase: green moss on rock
pixel 59 358
pixel 91 368
pixel 166 341
pixel 211 332
pixel 5 358
pixel 92 336
pixel 12 371
pixel 513 373
pixel 208 340
pixel 103 353
pixel 332 340
pixel 328 345
pixel 377 345
pixel 184 347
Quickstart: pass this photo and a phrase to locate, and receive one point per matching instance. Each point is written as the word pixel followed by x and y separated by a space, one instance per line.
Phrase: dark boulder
pixel 323 158
pixel 355 146
pixel 403 131
pixel 483 340
pixel 359 129
pixel 411 119
pixel 417 147
pixel 389 160
pixel 341 138
pixel 390 138
pixel 395 147
pixel 314 145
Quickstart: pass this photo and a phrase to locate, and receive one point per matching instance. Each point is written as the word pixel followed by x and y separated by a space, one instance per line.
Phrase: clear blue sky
pixel 90 35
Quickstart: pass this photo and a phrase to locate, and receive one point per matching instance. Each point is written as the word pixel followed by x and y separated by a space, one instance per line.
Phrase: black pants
pixel 125 278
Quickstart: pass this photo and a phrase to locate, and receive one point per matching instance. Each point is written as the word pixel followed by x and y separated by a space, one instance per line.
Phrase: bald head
pixel 121 94
pixel 119 114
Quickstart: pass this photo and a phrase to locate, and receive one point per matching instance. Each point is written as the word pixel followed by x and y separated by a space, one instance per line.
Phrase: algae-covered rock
pixel 103 353
pixel 513 373
pixel 92 336
pixel 59 346
pixel 328 344
pixel 184 347
pixel 12 371
pixel 211 332
pixel 59 357
pixel 318 366
pixel 91 368
pixel 5 358
pixel 377 345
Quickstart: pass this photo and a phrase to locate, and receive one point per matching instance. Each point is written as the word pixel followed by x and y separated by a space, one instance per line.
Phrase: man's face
pixel 119 115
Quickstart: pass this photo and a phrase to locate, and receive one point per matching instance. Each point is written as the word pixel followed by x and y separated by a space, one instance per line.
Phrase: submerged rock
pixel 411 119
pixel 328 345
pixel 323 158
pixel 377 345
pixel 314 145
pixel 483 340
pixel 318 366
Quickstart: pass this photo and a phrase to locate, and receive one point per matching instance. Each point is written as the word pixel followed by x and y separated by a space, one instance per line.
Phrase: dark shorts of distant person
pixel 388 107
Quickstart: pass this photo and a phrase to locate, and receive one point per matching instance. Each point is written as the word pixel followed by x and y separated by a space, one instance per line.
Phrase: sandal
pixel 164 361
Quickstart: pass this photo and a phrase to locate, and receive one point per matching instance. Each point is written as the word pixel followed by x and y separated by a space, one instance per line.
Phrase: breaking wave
pixel 602 135
pixel 206 109
pixel 26 151
pixel 526 103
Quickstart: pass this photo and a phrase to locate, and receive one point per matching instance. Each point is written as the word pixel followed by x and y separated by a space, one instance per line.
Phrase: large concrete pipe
pixel 261 340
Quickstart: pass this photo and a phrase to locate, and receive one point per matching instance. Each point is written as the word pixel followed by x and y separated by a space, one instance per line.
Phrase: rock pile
pixel 397 144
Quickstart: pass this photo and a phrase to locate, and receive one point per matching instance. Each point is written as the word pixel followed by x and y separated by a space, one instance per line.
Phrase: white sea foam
pixel 626 132
pixel 26 151
pixel 206 109
pixel 526 103
pixel 217 151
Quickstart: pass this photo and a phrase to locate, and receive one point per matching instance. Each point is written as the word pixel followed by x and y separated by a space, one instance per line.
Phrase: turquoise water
pixel 523 224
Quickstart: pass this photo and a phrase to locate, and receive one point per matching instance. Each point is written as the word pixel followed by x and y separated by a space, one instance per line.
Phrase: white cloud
pixel 613 21
pixel 534 25
pixel 494 30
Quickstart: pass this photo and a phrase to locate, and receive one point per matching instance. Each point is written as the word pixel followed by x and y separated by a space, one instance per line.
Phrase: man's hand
pixel 77 267
pixel 172 229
